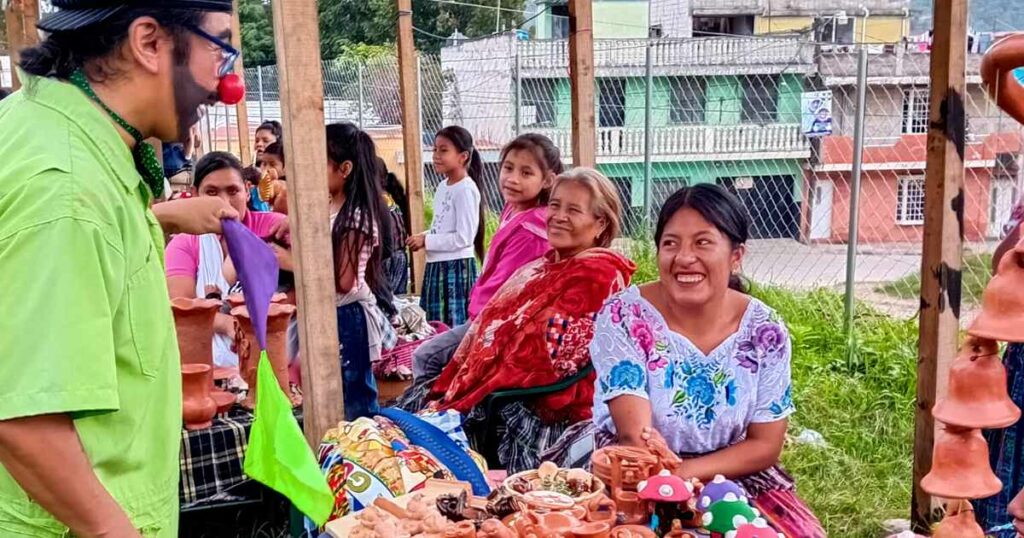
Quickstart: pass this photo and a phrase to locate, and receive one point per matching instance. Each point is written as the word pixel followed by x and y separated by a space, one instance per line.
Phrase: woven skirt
pixel 446 288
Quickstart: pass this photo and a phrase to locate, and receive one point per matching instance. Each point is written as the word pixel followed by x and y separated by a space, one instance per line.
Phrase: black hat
pixel 77 14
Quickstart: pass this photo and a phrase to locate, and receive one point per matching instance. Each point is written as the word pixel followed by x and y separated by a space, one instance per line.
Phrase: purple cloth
pixel 257 270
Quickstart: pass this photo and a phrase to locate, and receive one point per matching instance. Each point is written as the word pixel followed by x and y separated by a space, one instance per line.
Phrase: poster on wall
pixel 816 113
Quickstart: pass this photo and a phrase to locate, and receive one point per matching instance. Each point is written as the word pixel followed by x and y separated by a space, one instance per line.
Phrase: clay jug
pixel 959 523
pixel 1002 302
pixel 977 396
pixel 997 74
pixel 960 466
pixel 197 407
pixel 277 350
pixel 193 322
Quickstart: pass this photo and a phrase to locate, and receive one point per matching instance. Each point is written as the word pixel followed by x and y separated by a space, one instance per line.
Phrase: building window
pixel 611 102
pixel 540 102
pixel 837 30
pixel 719 26
pixel 910 201
pixel 560 22
pixel 686 97
pixel 760 99
pixel 915 110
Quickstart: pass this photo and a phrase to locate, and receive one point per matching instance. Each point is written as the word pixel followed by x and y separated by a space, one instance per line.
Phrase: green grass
pixel 862 403
pixel 977 269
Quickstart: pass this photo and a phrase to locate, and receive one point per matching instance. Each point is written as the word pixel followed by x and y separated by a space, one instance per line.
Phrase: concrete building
pixel 896 125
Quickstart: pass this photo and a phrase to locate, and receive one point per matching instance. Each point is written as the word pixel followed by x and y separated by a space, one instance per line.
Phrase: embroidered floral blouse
pixel 700 403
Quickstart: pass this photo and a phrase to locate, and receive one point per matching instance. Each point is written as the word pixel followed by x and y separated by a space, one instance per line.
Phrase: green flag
pixel 278 455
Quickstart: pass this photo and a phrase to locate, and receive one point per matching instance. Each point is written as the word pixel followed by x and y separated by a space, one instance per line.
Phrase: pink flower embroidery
pixel 616 307
pixel 640 330
pixel 657 363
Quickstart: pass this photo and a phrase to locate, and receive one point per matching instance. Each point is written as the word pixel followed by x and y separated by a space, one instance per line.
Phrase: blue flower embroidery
pixel 626 376
pixel 700 390
pixel 784 404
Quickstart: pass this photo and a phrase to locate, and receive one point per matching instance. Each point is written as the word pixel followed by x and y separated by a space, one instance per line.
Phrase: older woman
pixel 693 365
pixel 197 265
pixel 535 330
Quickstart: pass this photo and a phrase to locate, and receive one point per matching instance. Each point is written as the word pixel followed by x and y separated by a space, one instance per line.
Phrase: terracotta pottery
pixel 277 350
pixel 632 531
pixel 197 406
pixel 1002 302
pixel 237 299
pixel 462 529
pixel 592 530
pixel 959 523
pixel 997 68
pixel 960 468
pixel 225 400
pixel 977 396
pixel 224 373
pixel 193 322
pixel 602 509
pixel 637 464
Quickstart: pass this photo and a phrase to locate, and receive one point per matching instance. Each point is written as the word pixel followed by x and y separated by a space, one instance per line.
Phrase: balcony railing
pixel 673 53
pixel 703 141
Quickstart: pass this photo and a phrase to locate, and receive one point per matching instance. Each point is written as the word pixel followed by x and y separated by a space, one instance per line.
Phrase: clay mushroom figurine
pixel 758 529
pixel 666 496
pixel 727 515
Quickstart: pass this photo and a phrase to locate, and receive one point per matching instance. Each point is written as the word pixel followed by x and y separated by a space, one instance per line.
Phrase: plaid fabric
pixel 446 288
pixel 211 459
pixel 1006 451
pixel 523 436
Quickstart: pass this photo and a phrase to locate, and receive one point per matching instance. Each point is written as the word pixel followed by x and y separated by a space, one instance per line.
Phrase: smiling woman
pixel 691 364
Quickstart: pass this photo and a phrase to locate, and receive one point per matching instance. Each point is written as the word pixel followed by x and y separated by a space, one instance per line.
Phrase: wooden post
pixel 241 109
pixel 297 36
pixel 21 17
pixel 581 81
pixel 408 81
pixel 943 236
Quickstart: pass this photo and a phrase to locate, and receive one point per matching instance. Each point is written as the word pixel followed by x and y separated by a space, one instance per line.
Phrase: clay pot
pixel 592 530
pixel 960 468
pixel 237 299
pixel 197 407
pixel 977 395
pixel 277 350
pixel 959 523
pixel 997 68
pixel 1002 302
pixel 193 322
pixel 632 531
pixel 602 509
pixel 225 400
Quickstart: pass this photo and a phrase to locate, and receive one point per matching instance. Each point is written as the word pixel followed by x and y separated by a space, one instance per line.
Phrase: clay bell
pixel 977 395
pixel 193 323
pixel 959 523
pixel 960 467
pixel 1002 303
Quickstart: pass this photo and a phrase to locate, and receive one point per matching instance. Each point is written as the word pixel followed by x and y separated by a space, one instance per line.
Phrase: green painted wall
pixel 723 98
pixel 613 19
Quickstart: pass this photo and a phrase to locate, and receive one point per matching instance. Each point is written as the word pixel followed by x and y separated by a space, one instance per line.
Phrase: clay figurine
pixel 717 489
pixel 959 523
pixel 666 497
pixel 677 531
pixel 727 515
pixel 462 529
pixel 502 503
pixel 277 350
pixel 602 508
pixel 492 528
pixel 627 466
pixel 759 528
pixel 197 406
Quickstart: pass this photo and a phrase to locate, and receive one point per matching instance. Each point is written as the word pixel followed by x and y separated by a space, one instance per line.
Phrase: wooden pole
pixel 581 81
pixel 943 236
pixel 408 81
pixel 297 38
pixel 21 17
pixel 241 109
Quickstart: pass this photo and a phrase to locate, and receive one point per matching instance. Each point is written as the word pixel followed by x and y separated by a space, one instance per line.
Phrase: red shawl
pixel 536 331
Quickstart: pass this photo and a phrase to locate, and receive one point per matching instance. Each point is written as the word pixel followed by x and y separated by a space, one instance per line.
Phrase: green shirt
pixel 85 322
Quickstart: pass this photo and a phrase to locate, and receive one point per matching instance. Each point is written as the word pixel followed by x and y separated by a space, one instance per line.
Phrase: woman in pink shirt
pixel 529 165
pixel 198 266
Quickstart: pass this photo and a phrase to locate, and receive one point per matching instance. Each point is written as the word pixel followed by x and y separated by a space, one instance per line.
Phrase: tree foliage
pixel 346 24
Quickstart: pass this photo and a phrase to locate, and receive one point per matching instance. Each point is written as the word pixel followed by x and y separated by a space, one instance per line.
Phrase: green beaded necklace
pixel 146 162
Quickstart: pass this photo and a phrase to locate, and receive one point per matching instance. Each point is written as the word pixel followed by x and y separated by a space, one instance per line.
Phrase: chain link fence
pixel 769 118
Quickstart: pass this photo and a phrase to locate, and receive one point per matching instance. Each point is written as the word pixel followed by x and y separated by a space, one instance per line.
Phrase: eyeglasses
pixel 229 53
